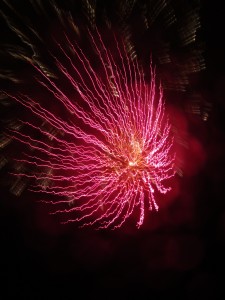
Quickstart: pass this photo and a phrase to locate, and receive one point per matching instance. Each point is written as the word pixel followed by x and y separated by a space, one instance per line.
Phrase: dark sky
pixel 181 255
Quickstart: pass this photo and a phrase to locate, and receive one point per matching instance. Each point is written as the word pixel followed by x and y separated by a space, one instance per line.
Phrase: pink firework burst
pixel 105 149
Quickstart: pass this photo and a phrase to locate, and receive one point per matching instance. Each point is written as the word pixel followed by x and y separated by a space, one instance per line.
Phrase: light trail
pixel 113 148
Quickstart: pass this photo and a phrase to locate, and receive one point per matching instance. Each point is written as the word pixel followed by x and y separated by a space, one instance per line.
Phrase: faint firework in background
pixel 93 134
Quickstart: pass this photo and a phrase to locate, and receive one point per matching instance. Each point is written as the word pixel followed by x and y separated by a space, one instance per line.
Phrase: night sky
pixel 179 253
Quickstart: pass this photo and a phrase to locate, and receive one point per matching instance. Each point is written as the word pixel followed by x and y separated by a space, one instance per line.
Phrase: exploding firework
pixel 113 148
pixel 93 137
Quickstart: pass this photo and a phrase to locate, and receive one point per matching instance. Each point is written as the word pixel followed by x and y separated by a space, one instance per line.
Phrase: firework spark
pixel 110 146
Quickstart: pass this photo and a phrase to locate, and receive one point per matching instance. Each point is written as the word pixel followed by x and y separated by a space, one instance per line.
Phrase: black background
pixel 181 259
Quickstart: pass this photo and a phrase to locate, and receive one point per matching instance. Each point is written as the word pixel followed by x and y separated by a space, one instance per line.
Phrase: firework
pixel 93 138
pixel 110 146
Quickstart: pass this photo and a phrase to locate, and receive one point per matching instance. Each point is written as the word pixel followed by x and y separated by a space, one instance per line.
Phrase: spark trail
pixel 111 149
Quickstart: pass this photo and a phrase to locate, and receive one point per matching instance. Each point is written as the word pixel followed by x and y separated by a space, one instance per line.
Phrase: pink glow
pixel 113 152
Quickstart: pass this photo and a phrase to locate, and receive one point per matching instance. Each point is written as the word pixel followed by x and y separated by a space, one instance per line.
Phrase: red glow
pixel 113 151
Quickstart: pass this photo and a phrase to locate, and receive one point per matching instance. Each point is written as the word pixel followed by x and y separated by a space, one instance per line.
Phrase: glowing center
pixel 135 156
pixel 132 163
